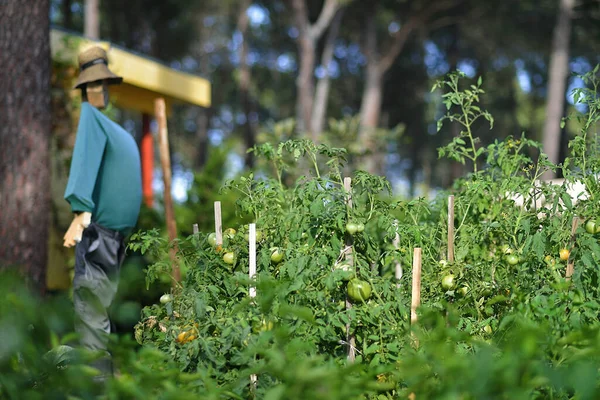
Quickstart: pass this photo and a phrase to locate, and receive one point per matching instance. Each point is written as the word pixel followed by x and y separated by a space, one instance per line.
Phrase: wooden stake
pixel 451 228
pixel 570 261
pixel 165 160
pixel 350 338
pixel 218 223
pixel 252 256
pixel 416 289
pixel 252 275
pixel 396 243
pixel 195 229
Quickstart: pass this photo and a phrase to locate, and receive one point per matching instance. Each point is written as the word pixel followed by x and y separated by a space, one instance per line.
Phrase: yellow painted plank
pixel 134 98
pixel 154 78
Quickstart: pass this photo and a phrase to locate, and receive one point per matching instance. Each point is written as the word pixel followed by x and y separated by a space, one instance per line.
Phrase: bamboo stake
pixel 165 160
pixel 350 338
pixel 252 275
pixel 451 229
pixel 570 261
pixel 218 223
pixel 416 290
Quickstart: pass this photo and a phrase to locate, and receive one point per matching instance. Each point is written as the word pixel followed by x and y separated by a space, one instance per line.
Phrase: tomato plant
pixel 503 293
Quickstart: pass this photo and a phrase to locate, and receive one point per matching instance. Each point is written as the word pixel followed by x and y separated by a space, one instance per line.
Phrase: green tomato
pixel 259 236
pixel 443 263
pixel 448 282
pixel 264 326
pixel 346 270
pixel 506 249
pixel 591 227
pixel 359 290
pixel 166 298
pixel 512 259
pixel 276 255
pixel 351 228
pixel 463 291
pixel 229 257
pixel 360 227
pixel 212 239
pixel 229 233
pixel 487 329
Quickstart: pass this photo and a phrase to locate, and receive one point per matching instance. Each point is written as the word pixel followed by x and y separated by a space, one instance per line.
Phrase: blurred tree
pixel 319 111
pixel 308 36
pixel 557 82
pixel 25 126
pixel 91 22
pixel 245 80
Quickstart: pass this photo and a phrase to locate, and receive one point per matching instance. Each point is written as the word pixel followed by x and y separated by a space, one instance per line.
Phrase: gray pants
pixel 98 259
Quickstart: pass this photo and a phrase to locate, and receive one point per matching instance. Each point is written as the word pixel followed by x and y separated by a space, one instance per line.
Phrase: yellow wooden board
pixel 143 79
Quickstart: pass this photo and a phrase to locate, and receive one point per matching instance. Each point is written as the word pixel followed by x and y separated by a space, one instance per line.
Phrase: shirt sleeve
pixel 85 164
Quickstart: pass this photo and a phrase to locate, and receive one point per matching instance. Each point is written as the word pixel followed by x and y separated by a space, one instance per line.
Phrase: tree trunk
pixel 305 82
pixel 370 111
pixel 557 80
pixel 245 82
pixel 319 112
pixel 67 14
pixel 377 66
pixel 91 24
pixel 25 128
pixel 370 108
pixel 202 123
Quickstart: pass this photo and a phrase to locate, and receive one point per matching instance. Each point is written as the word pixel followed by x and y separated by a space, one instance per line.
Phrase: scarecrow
pixel 105 194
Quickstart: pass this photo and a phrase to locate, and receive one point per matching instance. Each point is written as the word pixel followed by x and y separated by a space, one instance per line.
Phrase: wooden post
pixel 218 224
pixel 416 289
pixel 147 156
pixel 350 338
pixel 570 262
pixel 165 160
pixel 252 275
pixel 451 229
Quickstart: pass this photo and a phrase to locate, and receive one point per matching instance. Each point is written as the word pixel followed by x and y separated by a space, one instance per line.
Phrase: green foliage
pixel 510 301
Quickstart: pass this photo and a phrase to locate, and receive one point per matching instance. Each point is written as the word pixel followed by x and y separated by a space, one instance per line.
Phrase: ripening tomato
pixel 359 290
pixel 564 254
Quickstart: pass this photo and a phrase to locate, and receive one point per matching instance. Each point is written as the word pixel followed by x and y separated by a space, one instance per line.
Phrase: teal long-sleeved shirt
pixel 105 177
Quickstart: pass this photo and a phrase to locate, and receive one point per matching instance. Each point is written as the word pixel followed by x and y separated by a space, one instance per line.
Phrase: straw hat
pixel 93 66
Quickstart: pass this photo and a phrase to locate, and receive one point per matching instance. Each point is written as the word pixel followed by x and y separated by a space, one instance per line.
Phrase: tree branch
pixel 327 13
pixel 400 39
pixel 414 21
